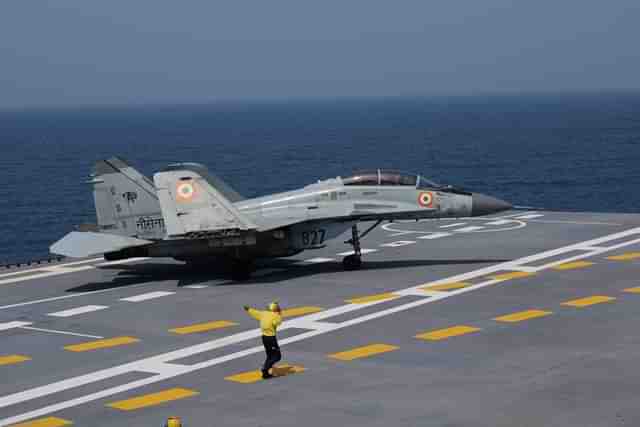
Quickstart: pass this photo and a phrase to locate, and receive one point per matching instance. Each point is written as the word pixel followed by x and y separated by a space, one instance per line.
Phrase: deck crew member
pixel 269 322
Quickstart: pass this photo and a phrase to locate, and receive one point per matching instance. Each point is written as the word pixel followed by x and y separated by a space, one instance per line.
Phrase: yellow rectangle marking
pixel 633 290
pixel 152 399
pixel 372 298
pixel 366 351
pixel 299 311
pixel 585 302
pixel 13 358
pixel 522 315
pixel 255 376
pixel 446 286
pixel 440 334
pixel 512 275
pixel 202 327
pixel 572 265
pixel 45 422
pixel 625 257
pixel 94 345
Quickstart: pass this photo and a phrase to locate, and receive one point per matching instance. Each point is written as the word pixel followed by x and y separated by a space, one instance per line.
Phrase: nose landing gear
pixel 354 261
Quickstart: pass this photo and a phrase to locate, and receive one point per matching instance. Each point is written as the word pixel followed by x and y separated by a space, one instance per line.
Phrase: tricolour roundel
pixel 185 191
pixel 425 199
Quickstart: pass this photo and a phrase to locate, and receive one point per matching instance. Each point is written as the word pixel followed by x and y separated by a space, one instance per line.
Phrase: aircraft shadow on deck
pixel 137 274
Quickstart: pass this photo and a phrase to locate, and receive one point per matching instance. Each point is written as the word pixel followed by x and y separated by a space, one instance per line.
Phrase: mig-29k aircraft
pixel 189 214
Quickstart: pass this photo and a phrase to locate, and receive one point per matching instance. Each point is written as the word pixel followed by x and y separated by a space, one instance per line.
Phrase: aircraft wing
pixel 194 206
pixel 78 244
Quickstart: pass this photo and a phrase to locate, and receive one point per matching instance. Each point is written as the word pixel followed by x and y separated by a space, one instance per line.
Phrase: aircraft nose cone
pixel 482 204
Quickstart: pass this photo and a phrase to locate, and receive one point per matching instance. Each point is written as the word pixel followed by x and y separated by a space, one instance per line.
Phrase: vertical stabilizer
pixel 126 201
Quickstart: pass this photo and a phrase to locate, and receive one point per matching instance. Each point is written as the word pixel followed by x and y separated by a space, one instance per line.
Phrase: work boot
pixel 266 375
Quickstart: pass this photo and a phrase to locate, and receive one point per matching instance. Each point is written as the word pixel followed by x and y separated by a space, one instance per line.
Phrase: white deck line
pixel 150 364
pixel 42 266
pixel 14 324
pixel 434 236
pixel 468 229
pixel 58 269
pixel 78 310
pixel 364 251
pixel 46 274
pixel 500 222
pixel 457 224
pixel 530 216
pixel 54 331
pixel 147 296
pixel 318 260
pixel 398 243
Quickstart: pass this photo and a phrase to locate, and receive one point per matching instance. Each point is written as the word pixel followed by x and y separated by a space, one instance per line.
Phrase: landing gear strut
pixel 354 261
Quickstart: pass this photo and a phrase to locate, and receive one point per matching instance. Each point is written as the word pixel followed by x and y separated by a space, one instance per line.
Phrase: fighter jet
pixel 191 215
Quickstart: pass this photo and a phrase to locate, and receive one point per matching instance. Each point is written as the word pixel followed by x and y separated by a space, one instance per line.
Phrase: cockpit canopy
pixel 388 177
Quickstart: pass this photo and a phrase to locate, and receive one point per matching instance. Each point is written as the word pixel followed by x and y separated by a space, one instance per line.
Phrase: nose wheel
pixel 354 261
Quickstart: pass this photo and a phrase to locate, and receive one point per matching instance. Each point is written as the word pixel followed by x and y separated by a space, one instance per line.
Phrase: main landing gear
pixel 354 261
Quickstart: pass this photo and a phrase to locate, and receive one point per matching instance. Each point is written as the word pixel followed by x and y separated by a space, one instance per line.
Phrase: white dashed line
pixel 398 243
pixel 468 229
pixel 147 296
pixel 196 286
pixel 78 310
pixel 434 236
pixel 364 251
pixel 318 260
pixel 453 225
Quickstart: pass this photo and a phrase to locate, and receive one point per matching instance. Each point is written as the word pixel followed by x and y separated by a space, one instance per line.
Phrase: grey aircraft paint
pixel 189 214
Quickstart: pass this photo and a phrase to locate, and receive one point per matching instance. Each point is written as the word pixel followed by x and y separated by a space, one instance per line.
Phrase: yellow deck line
pixel 446 286
pixel 299 311
pixel 202 327
pixel 372 298
pixel 632 290
pixel 512 275
pixel 94 345
pixel 153 399
pixel 45 422
pixel 572 265
pixel 13 358
pixel 255 376
pixel 585 302
pixel 522 315
pixel 440 334
pixel 625 257
pixel 365 351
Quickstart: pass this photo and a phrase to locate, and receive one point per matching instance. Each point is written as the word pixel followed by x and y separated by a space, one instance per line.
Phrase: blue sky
pixel 79 52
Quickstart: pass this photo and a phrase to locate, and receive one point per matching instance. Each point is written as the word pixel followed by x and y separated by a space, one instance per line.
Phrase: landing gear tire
pixel 352 262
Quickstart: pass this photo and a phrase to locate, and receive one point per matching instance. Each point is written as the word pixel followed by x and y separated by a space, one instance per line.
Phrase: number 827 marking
pixel 313 237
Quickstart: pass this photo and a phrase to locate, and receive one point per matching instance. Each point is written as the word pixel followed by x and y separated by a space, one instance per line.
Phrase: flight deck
pixel 524 318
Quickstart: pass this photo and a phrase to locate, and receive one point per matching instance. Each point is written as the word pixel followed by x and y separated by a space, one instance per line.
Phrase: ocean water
pixel 578 152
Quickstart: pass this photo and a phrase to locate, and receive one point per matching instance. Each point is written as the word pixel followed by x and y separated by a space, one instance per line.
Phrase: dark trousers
pixel 273 352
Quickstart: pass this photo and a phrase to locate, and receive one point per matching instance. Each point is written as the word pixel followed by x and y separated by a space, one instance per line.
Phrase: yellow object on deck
pixel 173 422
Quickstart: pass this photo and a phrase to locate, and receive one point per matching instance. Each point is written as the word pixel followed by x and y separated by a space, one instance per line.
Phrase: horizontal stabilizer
pixel 79 244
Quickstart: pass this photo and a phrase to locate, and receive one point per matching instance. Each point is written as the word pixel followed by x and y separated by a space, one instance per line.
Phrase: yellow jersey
pixel 269 321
